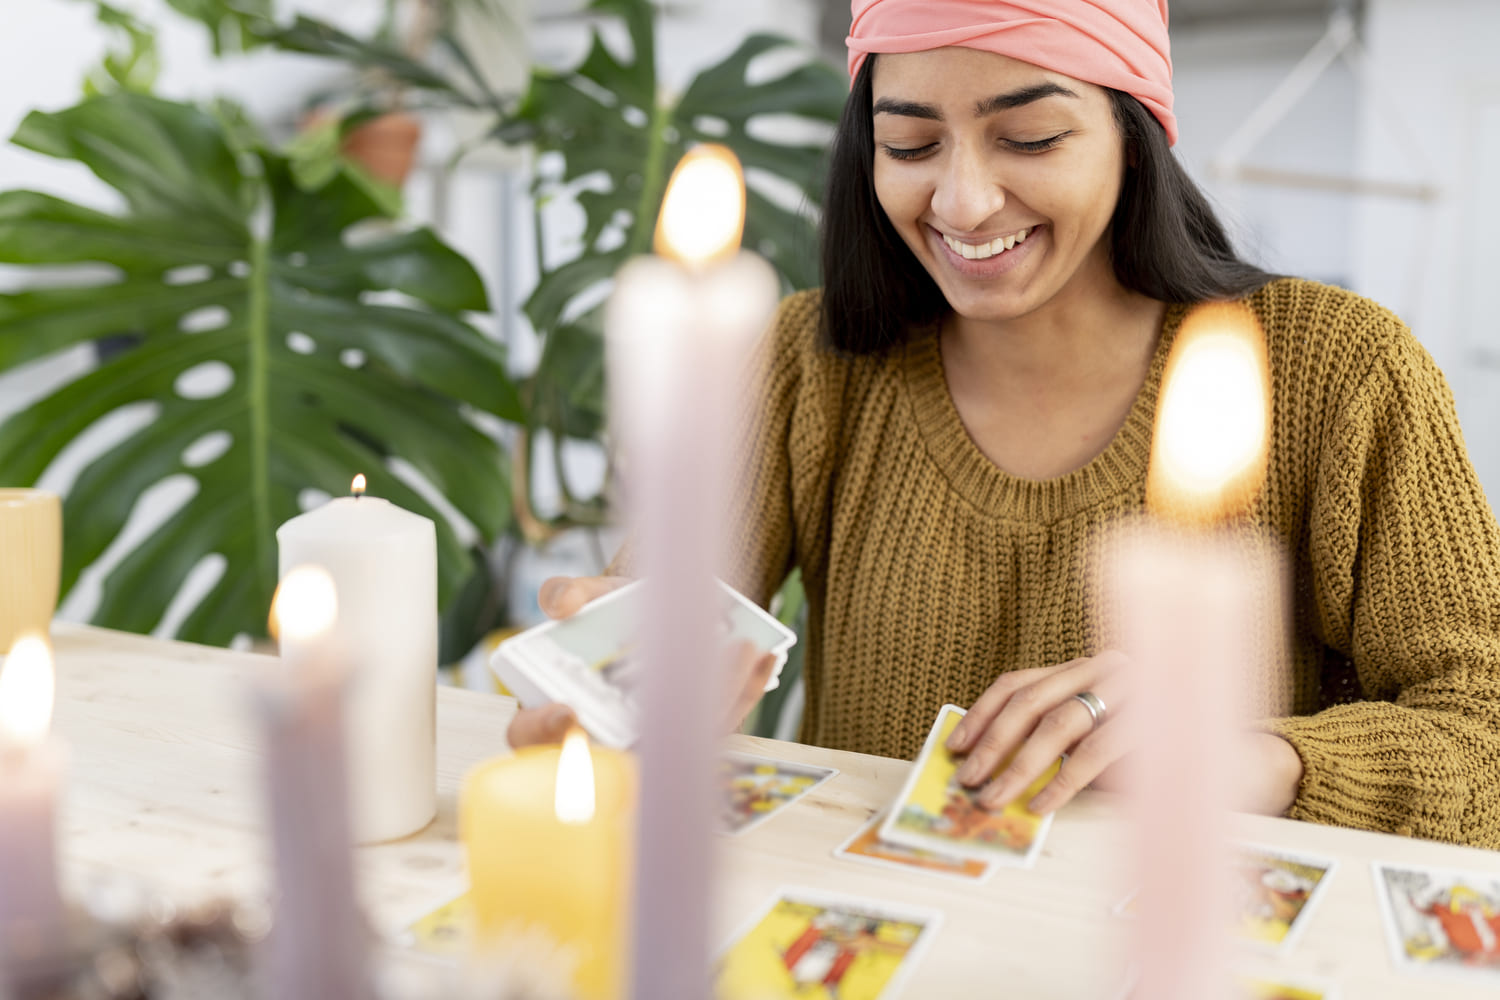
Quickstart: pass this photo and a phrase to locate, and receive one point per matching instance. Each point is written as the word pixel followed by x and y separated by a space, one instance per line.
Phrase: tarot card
pixel 590 662
pixel 1440 921
pixel 1276 987
pixel 866 847
pixel 756 788
pixel 937 813
pixel 813 945
pixel 447 930
pixel 1276 893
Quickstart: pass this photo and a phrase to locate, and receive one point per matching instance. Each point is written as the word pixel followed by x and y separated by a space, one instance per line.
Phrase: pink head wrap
pixel 1121 44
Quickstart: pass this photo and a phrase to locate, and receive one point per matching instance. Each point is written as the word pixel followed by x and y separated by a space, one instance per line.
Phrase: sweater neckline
pixel 1119 469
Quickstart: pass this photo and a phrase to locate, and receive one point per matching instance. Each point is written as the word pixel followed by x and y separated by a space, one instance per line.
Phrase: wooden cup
pixel 30 562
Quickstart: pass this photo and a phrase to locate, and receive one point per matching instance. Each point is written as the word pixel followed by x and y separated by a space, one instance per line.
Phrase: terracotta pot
pixel 386 146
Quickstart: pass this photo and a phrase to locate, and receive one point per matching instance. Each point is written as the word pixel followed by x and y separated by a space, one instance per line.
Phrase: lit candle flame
pixel 1208 456
pixel 574 799
pixel 27 687
pixel 357 488
pixel 306 604
pixel 703 214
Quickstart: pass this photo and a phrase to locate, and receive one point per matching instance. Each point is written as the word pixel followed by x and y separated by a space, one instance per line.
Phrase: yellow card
pixel 813 945
pixel 937 813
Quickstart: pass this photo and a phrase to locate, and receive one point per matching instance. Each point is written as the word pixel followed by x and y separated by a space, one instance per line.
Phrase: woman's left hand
pixel 1034 714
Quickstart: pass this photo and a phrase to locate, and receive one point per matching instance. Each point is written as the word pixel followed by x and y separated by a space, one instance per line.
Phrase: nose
pixel 968 191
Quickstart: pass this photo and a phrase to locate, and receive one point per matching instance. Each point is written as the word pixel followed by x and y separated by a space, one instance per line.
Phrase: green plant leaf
pixel 338 340
pixel 614 141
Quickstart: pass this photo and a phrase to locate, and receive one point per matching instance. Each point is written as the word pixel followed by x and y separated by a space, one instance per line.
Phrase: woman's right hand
pixel 562 597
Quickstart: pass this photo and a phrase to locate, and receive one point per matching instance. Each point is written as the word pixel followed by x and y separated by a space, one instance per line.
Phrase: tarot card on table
pixel 1441 921
pixel 937 813
pixel 866 847
pixel 1276 893
pixel 590 661
pixel 813 945
pixel 756 788
pixel 447 930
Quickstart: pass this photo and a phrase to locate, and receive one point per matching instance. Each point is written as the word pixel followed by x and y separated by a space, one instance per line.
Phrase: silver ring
pixel 1090 701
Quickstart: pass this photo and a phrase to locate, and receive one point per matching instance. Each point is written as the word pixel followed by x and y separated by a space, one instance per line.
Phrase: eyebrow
pixel 988 106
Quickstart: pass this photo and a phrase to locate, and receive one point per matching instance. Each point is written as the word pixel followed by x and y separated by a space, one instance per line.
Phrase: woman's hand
pixel 562 597
pixel 1035 715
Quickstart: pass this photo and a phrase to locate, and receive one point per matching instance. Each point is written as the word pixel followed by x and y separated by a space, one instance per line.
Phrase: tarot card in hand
pixel 813 945
pixel 1276 893
pixel 1441 921
pixel 866 847
pixel 756 788
pixel 936 812
pixel 590 661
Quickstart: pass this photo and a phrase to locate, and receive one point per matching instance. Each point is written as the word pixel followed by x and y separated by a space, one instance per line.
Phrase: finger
pixel 1057 730
pixel 989 704
pixel 1097 752
pixel 562 596
pixel 752 671
pixel 1024 711
pixel 537 726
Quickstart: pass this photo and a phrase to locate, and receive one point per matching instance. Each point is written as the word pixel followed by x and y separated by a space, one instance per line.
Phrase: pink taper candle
pixel 317 948
pixel 31 769
pixel 679 327
pixel 1191 586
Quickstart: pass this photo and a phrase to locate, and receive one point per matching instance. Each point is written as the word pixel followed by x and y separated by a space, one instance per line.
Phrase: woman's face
pixel 976 152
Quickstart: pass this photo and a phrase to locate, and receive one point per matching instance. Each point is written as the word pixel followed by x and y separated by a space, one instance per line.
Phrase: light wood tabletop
pixel 164 788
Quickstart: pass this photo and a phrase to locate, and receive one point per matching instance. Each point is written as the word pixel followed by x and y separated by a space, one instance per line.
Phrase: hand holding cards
pixel 587 661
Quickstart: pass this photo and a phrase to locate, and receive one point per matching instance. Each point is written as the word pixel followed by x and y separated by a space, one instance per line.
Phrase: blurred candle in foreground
pixel 318 944
pixel 1191 585
pixel 31 771
pixel 547 833
pixel 679 329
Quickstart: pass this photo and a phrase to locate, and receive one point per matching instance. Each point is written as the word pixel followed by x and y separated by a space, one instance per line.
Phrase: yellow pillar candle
pixel 548 832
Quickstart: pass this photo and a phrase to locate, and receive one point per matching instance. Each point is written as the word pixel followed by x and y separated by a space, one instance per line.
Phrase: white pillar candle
pixel 31 770
pixel 383 561
pixel 318 944
pixel 678 331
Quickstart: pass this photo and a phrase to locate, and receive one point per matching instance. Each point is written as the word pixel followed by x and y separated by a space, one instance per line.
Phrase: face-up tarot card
pixel 1276 893
pixel 812 945
pixel 937 813
pixel 867 848
pixel 756 788
pixel 447 930
pixel 1276 987
pixel 1441 922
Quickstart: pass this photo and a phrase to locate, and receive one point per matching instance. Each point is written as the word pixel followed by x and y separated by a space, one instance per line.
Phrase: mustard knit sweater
pixel 929 571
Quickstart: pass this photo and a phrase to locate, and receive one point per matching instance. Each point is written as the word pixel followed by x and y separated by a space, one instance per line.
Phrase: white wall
pixel 1437 120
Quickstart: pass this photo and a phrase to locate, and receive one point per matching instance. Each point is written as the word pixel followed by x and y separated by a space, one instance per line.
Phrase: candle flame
pixel 27 688
pixel 1208 456
pixel 703 214
pixel 305 605
pixel 357 488
pixel 574 799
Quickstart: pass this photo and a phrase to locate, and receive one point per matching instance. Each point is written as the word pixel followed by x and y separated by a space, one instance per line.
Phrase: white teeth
pixel 983 251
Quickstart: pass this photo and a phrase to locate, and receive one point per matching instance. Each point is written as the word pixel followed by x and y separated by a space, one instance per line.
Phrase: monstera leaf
pixel 280 339
pixel 614 139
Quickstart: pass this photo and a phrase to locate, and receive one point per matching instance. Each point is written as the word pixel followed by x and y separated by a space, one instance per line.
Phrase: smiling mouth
pixel 984 251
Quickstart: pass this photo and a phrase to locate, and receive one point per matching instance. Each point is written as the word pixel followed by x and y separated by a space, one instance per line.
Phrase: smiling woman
pixel 944 436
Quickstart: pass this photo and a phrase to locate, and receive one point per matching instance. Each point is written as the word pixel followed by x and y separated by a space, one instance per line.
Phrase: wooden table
pixel 164 786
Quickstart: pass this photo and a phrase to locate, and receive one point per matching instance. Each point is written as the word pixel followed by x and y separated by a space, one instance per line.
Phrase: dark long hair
pixel 1165 240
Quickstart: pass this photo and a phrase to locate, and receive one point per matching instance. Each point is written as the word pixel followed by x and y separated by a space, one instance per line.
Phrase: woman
pixel 945 430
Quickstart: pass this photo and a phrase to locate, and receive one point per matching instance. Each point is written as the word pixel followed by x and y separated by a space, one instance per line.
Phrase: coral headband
pixel 1121 44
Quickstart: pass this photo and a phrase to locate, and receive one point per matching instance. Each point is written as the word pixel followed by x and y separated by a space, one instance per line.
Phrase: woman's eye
pixel 907 152
pixel 1039 146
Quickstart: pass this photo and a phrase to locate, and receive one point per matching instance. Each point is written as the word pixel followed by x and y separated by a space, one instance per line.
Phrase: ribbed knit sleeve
pixel 1405 562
